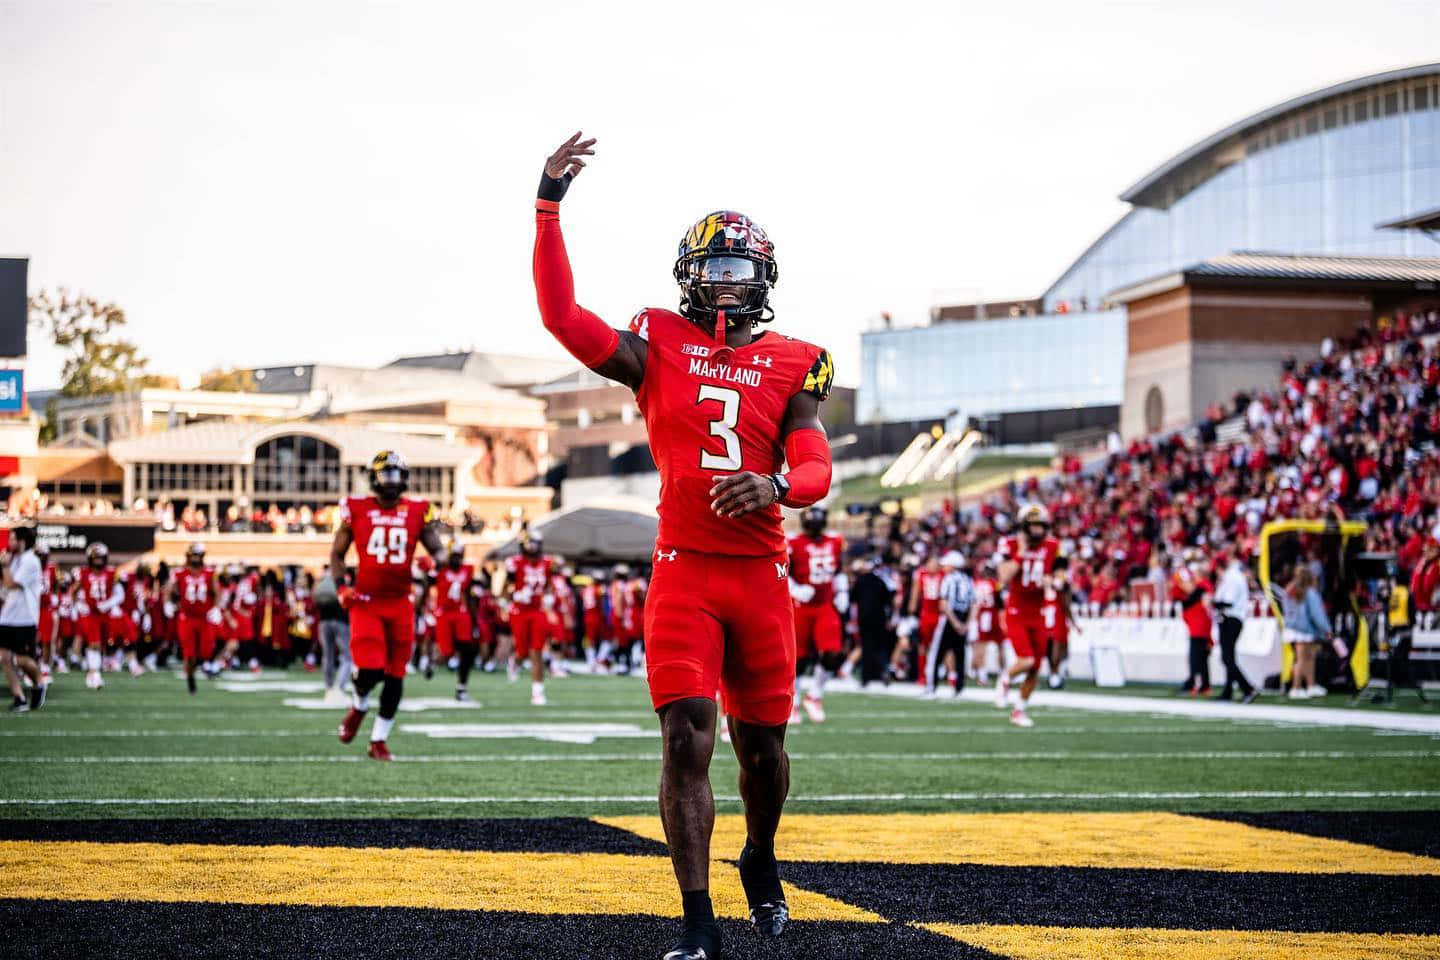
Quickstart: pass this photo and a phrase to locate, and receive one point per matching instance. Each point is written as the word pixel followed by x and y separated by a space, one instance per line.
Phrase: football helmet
pixel 195 553
pixel 726 249
pixel 97 554
pixel 389 475
pixel 812 521
pixel 532 542
pixel 1033 513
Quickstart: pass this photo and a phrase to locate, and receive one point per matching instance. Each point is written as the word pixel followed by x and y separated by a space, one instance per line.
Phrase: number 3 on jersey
pixel 387 544
pixel 724 428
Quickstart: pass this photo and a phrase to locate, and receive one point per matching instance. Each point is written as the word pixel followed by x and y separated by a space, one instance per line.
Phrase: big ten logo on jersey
pixel 821 562
pixel 389 541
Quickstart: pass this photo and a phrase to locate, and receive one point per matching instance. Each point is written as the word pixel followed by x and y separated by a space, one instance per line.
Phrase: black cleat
pixel 37 696
pixel 698 942
pixel 761 879
pixel 190 682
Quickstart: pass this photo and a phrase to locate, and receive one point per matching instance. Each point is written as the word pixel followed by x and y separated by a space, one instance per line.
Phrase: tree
pixel 99 360
pixel 235 379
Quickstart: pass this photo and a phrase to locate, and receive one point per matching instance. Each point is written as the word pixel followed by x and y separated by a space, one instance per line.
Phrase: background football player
pixel 721 401
pixel 1027 563
pixel 385 527
pixel 193 594
pixel 527 586
pixel 820 590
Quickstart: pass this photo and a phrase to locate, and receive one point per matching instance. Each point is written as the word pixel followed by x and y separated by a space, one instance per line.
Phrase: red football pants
pixel 722 623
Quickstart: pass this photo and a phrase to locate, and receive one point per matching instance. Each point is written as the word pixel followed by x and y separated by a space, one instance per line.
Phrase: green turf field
pixel 142 747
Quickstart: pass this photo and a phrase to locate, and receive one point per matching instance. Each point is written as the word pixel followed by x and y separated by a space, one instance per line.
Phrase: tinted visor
pixel 390 477
pixel 728 270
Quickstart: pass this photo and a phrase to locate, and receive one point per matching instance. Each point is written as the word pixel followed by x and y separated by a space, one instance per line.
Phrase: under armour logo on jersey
pixel 662 555
pixel 782 570
pixel 760 361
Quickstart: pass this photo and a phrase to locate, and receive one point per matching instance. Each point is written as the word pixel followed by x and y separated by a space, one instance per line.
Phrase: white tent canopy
pixel 615 528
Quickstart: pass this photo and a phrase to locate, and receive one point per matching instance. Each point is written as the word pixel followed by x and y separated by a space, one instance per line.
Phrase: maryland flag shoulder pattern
pixel 821 376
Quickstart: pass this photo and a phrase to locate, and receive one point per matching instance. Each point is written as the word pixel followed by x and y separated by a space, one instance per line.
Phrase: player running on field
pixel 721 402
pixel 1027 562
pixel 527 584
pixel 821 594
pixel 988 632
pixel 385 527
pixel 456 603
pixel 96 594
pixel 197 616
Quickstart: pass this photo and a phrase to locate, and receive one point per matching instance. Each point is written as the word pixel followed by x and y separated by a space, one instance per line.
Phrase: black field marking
pixel 1410 831
pixel 50 929
pixel 1097 897
pixel 552 835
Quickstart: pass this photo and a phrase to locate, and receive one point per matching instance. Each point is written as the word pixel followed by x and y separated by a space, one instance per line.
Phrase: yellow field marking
pixel 1071 943
pixel 1140 840
pixel 590 883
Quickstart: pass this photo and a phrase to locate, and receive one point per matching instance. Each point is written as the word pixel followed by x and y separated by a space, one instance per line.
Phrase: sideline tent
pixel 611 529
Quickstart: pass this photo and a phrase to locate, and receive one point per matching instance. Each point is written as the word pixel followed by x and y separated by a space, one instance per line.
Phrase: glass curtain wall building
pixel 1315 174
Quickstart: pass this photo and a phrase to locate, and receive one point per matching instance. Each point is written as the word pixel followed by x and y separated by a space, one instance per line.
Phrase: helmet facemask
pixel 725 253
pixel 389 475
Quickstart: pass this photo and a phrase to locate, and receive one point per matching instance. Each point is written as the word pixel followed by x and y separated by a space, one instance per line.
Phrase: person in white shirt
pixel 1232 597
pixel 20 578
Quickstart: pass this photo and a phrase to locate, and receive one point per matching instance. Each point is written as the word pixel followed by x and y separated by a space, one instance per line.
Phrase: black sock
pixel 698 909
pixel 760 875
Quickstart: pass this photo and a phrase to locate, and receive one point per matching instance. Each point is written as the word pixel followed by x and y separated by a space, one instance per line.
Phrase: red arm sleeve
pixel 808 453
pixel 581 332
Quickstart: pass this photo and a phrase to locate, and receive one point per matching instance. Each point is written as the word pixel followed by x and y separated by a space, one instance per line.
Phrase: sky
pixel 268 183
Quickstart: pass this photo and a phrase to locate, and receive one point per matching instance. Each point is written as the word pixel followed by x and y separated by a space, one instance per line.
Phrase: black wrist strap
pixel 552 189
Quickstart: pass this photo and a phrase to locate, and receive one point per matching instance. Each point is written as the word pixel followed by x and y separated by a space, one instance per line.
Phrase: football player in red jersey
pixel 924 605
pixel 527 585
pixel 385 527
pixel 1059 615
pixel 1027 562
pixel 722 402
pixel 193 592
pixel 987 623
pixel 592 617
pixel 821 594
pixel 455 616
pixel 50 652
pixel 96 594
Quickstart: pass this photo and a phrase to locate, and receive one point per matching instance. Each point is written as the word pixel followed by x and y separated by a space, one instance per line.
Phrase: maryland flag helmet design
pixel 389 474
pixel 726 249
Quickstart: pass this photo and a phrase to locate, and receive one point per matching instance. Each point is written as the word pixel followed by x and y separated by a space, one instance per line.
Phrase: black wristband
pixel 552 189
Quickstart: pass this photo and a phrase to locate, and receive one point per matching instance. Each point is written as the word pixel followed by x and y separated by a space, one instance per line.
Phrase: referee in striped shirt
pixel 957 601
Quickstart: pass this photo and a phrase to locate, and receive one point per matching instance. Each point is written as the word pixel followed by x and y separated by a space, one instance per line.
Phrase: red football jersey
pixel 1052 617
pixel 1027 588
pixel 93 587
pixel 531 579
pixel 986 592
pixel 452 589
pixel 48 598
pixel 930 581
pixel 245 596
pixel 707 419
pixel 385 542
pixel 196 589
pixel 816 562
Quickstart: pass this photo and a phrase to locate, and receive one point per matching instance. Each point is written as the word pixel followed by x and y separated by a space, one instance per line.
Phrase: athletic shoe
pixel 61 666
pixel 21 705
pixel 700 942
pixel 537 698
pixel 135 669
pixel 99 680
pixel 1020 718
pixel 1250 697
pixel 1317 691
pixel 378 750
pixel 1297 693
pixel 150 662
pixel 462 695
pixel 37 696
pixel 814 709
pixel 1205 691
pixel 1002 692
pixel 1055 682
pixel 761 879
pixel 351 724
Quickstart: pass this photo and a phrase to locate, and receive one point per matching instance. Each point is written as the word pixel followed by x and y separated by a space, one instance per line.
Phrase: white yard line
pixel 818 798
pixel 722 757
pixel 1181 707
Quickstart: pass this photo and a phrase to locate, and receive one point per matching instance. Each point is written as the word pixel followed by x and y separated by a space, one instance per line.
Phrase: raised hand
pixel 566 159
